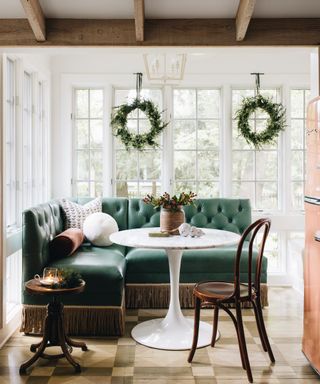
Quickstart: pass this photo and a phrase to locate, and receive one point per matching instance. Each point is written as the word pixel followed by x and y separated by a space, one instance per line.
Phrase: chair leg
pixel 263 329
pixel 215 325
pixel 242 340
pixel 234 320
pixel 197 307
pixel 254 305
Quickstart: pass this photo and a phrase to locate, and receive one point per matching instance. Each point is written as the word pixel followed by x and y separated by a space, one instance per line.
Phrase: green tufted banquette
pixel 110 271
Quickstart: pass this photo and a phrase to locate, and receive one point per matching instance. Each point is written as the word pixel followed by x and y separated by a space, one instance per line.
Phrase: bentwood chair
pixel 222 294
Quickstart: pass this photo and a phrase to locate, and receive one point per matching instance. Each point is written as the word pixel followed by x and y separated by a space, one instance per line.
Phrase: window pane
pixel 96 189
pixel 208 189
pixel 88 131
pixel 238 141
pixel 243 189
pixel 96 133
pixel 237 97
pixel 82 103
pixel 149 187
pixel 82 132
pixel 185 164
pixel 83 165
pixel 266 195
pixel 299 99
pixel 250 164
pixel 183 186
pixel 82 189
pixel 208 165
pixel 150 165
pixel 297 103
pixel 208 103
pixel 138 172
pixel 184 134
pixel 297 134
pixel 197 139
pixel 96 103
pixel 297 163
pixel 184 103
pixel 208 134
pixel 96 163
pixel 243 165
pixel 297 194
pixel 122 189
pixel 127 165
pixel 267 165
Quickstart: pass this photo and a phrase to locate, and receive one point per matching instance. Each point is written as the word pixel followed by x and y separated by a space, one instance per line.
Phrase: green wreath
pixel 275 122
pixel 141 140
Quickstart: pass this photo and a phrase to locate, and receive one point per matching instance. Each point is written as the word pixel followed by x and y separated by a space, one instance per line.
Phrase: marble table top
pixel 140 238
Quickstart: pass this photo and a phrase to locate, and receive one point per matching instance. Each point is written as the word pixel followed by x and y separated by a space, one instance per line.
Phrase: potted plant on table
pixel 171 214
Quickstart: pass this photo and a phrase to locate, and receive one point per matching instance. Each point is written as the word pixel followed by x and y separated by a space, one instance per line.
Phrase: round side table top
pixel 34 286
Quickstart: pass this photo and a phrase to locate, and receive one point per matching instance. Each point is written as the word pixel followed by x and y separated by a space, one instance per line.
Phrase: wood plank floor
pixel 122 361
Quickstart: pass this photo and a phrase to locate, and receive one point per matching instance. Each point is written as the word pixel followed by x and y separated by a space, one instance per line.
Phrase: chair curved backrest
pixel 250 234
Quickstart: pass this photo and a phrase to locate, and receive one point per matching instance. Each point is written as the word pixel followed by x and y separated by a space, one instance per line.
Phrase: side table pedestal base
pixel 54 335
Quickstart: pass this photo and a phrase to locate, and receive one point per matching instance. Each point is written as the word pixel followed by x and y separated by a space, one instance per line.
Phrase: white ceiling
pixel 123 9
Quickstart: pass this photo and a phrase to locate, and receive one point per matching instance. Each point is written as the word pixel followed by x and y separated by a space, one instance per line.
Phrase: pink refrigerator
pixel 311 322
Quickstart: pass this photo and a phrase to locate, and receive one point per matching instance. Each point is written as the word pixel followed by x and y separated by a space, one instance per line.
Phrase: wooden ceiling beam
pixel 139 19
pixel 244 14
pixel 36 18
pixel 178 32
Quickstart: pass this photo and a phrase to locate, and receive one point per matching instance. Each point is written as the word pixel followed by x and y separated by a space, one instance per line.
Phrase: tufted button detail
pixel 199 208
pixel 230 220
pixel 240 208
pixel 219 209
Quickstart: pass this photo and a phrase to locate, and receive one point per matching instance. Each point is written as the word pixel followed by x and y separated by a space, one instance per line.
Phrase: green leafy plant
pixel 139 141
pixel 173 203
pixel 68 279
pixel 275 122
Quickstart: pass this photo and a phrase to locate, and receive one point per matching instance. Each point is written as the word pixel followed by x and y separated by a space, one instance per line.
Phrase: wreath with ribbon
pixel 119 122
pixel 276 121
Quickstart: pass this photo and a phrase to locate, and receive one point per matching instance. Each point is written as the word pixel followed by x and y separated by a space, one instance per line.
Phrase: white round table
pixel 175 331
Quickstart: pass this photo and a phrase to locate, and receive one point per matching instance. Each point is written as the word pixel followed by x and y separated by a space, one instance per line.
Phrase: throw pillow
pixel 75 214
pixel 98 227
pixel 66 243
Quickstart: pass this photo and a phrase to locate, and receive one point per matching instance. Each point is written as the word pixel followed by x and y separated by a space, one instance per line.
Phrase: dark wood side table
pixel 53 328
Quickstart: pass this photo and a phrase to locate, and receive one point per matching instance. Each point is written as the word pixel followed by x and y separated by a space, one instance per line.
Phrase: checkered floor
pixel 122 361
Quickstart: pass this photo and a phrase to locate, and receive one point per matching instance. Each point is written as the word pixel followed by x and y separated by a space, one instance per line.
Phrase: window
pixel 196 140
pixel 137 173
pixel 298 101
pixel 251 178
pixel 10 145
pixel 88 129
pixel 27 136
pixel 40 158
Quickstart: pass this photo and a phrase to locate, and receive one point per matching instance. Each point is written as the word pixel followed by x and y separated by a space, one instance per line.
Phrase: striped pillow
pixel 75 214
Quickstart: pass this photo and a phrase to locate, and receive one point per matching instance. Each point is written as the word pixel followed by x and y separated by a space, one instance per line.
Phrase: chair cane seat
pixel 217 290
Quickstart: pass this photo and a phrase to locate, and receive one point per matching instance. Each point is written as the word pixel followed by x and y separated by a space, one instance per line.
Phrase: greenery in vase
pixel 173 203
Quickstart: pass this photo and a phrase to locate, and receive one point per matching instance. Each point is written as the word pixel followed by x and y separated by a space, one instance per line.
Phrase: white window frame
pixel 280 163
pixel 114 149
pixel 219 180
pixel 27 139
pixel 74 179
pixel 303 150
pixel 11 178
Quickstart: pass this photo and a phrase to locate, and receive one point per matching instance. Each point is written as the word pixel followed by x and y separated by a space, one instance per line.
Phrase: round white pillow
pixel 97 228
